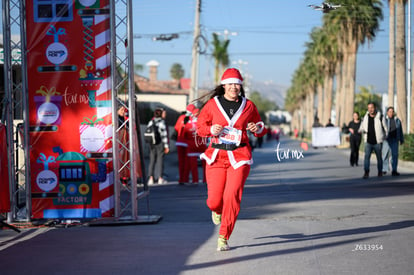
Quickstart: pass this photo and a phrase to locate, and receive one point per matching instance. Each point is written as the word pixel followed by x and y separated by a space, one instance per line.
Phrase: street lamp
pixel 226 33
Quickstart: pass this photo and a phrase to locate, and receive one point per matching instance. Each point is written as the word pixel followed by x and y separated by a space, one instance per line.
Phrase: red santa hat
pixel 190 108
pixel 231 76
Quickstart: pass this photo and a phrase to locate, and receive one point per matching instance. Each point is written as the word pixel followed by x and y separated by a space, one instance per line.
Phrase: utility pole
pixel 409 74
pixel 195 54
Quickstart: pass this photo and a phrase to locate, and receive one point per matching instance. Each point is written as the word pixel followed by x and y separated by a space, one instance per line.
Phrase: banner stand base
pixel 4 224
pixel 128 220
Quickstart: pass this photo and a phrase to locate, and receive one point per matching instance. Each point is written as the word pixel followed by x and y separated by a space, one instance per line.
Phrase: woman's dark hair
pixel 158 112
pixel 219 90
pixel 186 119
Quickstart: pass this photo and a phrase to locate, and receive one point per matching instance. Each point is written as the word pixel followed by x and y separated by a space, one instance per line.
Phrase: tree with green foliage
pixel 138 68
pixel 122 74
pixel 263 105
pixel 177 71
pixel 365 96
pixel 220 55
pixel 356 23
pixel 331 58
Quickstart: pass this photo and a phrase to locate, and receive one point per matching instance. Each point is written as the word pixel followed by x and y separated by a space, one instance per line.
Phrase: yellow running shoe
pixel 222 244
pixel 216 218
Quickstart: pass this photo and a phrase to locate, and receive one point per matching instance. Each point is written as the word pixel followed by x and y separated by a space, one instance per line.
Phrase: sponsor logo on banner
pixel 47 180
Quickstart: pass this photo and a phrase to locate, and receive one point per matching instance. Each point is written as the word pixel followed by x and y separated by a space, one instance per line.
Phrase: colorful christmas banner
pixel 70 108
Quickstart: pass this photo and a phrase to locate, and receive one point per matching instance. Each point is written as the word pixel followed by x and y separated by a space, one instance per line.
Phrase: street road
pixel 310 214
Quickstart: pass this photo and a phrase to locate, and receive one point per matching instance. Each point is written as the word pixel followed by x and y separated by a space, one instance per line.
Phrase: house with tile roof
pixel 171 95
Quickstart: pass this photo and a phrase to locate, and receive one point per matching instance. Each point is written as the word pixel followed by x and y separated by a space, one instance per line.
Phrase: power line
pixel 249 53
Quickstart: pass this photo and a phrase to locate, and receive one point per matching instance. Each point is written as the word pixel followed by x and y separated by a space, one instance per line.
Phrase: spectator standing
pixel 125 174
pixel 394 138
pixel 316 123
pixel 158 151
pixel 374 132
pixel 296 132
pixel 269 134
pixel 329 124
pixel 354 138
pixel 277 134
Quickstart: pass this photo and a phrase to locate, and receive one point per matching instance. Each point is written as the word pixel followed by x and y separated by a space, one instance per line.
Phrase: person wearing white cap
pixel 225 118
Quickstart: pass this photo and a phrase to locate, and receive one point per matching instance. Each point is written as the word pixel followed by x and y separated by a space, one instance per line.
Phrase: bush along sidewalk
pixel 406 150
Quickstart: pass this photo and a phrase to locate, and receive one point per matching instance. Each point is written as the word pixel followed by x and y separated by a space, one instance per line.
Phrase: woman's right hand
pixel 216 129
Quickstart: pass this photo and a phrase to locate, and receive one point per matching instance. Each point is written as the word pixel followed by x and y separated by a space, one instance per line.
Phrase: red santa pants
pixel 193 167
pixel 192 162
pixel 225 188
pixel 182 164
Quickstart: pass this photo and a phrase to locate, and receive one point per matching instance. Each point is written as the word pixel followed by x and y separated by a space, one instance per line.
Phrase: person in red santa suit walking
pixel 181 144
pixel 225 118
pixel 196 146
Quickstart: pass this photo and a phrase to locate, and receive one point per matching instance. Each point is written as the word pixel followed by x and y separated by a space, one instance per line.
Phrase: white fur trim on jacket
pixel 261 127
pixel 381 131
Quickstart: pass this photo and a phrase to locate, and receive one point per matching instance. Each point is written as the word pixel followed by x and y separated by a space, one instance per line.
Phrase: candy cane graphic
pixel 95 76
pixel 103 62
pixel 96 79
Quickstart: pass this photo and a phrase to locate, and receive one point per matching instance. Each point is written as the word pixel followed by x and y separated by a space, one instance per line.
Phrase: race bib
pixel 230 135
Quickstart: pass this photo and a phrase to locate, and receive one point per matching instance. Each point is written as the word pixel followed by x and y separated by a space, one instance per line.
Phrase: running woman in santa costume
pixel 225 119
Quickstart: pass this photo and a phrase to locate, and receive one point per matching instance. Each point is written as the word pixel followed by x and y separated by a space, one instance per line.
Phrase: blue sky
pixel 270 40
pixel 268 47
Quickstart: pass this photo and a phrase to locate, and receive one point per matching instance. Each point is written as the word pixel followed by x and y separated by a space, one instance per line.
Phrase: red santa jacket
pixel 196 144
pixel 213 113
pixel 179 127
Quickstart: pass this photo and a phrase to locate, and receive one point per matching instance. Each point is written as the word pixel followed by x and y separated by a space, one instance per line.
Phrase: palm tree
pixel 329 59
pixel 308 81
pixel 177 71
pixel 391 64
pixel 315 52
pixel 334 51
pixel 294 97
pixel 357 21
pixel 220 55
pixel 400 66
pixel 340 93
pixel 412 113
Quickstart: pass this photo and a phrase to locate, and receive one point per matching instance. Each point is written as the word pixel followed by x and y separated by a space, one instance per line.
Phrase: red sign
pixel 70 108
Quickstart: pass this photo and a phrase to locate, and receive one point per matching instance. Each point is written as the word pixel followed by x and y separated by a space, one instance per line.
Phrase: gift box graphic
pixel 45 177
pixel 93 135
pixel 90 82
pixel 56 52
pixel 48 106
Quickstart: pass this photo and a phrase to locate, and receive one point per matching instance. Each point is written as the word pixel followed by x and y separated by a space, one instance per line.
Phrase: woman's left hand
pixel 252 127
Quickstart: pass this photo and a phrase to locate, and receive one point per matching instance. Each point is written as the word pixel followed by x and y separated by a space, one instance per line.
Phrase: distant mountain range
pixel 270 91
